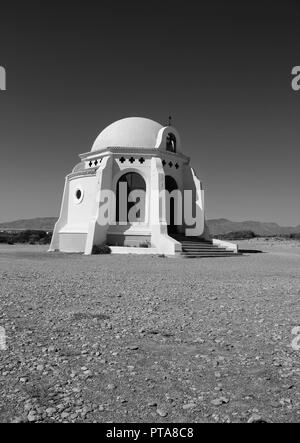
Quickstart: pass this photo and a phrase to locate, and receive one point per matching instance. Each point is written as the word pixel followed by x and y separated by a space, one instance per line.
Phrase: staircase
pixel 193 247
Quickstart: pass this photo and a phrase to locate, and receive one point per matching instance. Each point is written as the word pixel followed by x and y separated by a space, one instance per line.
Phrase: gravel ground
pixel 148 339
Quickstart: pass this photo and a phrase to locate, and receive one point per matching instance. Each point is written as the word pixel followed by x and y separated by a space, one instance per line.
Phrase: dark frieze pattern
pixel 141 160
pixel 95 163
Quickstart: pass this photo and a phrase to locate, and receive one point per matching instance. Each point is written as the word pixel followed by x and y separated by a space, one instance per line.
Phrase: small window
pixel 78 196
pixel 171 143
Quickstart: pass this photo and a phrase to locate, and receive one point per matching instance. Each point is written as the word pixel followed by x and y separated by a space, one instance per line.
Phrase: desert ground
pixel 150 339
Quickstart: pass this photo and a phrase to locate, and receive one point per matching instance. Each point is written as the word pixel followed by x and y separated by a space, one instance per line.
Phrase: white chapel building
pixel 145 156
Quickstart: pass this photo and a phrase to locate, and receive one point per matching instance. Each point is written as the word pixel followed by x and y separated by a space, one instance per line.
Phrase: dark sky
pixel 222 69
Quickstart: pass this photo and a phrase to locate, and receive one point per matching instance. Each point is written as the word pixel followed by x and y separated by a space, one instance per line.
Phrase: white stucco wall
pixel 80 213
pixel 71 230
pixel 97 231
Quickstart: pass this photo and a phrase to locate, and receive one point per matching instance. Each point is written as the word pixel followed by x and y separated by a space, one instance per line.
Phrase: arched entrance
pixel 128 183
pixel 170 186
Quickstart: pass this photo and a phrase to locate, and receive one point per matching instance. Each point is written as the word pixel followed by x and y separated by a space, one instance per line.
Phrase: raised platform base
pixel 126 240
pixel 135 251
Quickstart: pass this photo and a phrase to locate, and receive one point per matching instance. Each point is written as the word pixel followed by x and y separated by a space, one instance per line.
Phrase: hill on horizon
pixel 34 224
pixel 224 226
pixel 217 226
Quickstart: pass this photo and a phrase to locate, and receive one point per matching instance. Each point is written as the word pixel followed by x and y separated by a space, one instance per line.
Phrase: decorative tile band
pixel 95 163
pixel 132 160
pixel 170 164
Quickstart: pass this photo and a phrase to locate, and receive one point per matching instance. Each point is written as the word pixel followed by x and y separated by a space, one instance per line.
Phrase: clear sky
pixel 222 69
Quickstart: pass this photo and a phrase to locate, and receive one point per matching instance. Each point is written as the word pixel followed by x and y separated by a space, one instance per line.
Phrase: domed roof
pixel 133 132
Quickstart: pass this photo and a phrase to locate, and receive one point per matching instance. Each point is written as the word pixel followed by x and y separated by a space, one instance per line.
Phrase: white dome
pixel 133 132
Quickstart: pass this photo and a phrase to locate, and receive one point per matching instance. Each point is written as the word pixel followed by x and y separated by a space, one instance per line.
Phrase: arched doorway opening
pixel 170 186
pixel 126 187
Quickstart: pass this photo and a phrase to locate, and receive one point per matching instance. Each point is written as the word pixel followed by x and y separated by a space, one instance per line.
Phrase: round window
pixel 78 196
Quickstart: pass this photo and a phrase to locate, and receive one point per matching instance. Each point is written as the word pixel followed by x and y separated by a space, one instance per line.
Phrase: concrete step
pixel 192 240
pixel 193 247
pixel 209 245
pixel 198 245
pixel 206 251
pixel 217 253
pixel 208 248
pixel 210 255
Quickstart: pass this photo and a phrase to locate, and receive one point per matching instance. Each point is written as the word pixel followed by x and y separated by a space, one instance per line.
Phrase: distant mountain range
pixel 217 227
pixel 39 224
pixel 223 226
